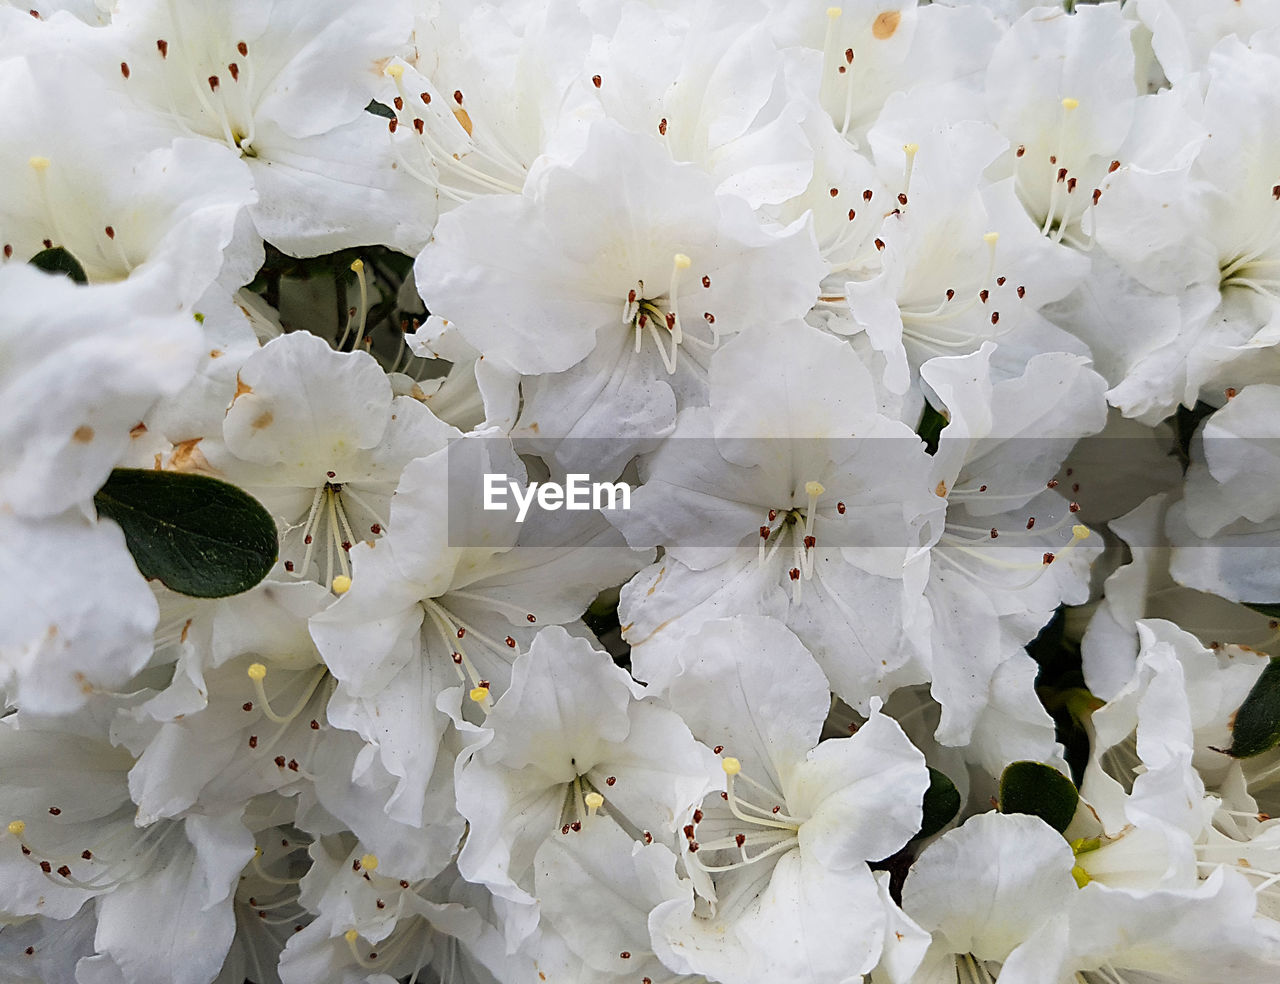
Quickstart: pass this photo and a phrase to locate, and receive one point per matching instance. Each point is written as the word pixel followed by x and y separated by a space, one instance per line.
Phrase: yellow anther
pixel 395 70
pixel 682 262
pixel 814 489
pixel 990 238
pixel 199 316
pixel 834 12
pixel 357 266
pixel 479 694
pixel 1080 532
pixel 594 801
pixel 351 936
pixel 341 584
pixel 1070 104
pixel 1083 845
pixel 369 862
pixel 38 163
pixel 257 671
pixel 1081 876
pixel 16 827
pixel 730 765
pixel 911 149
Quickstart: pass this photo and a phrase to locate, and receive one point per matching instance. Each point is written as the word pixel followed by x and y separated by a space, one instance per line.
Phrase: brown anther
pixel 848 55
pixel 794 573
pixel 64 871
pixel 315 725
pixel 1275 193
pixel 163 48
pixel 1231 392
pixel 612 779
pixel 124 69
pixel 1115 166
pixel 833 192
pixel 706 281
pixel 393 124
pixel 840 507
pixel 1020 151
pixel 398 102
pixel 725 797
pixel 671 321
pixel 403 883
pixel 279 760
pixel 994 533
pixel 461 632
pixel 1000 281
pixel 234 69
pixel 1022 292
pixel 46 867
pixel 293 765
pixel 1097 193
pixel 576 826
pixel 662 126
pixel 1062 174
pixel 868 195
pixel 54 811
pixel 1048 558
pixel 648 837
pixel 530 618
pixel 1074 507
pixel 110 231
pixel 902 199
pixel 631 296
pixel 288 566
pixel 625 954
pixel 87 855
pixel 425 97
pixel 709 317
pixel 457 658
pixel 29 950
pixel 1053 158
pixel 373 955
pixel 8 251
pixel 740 839
pixel 718 749
pixel 457 96
pixel 48 243
pixel 1031 522
pixel 879 244
pixel 595 80
pixel 982 488
pixel 262 914
pixel 1071 185
pixel 379 903
pixel 852 215
pixel 693 847
pixel 765 533
pixel 346 545
pixel 355 865
pixel 983 295
pixel 511 643
pixel 253 741
pixel 247 706
pixel 1052 483
pixel 307 538
pixel 777 809
pixel 810 542
pixel 995 317
pixel 1075 487
pixel 419 125
pixel 213 83
pixel 950 294
pixel 688 831
pixel 375 529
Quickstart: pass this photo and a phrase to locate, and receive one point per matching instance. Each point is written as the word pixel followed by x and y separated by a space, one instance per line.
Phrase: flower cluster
pixel 928 354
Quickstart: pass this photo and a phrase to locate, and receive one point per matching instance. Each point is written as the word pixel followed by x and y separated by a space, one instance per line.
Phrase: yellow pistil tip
pixel 730 765
pixel 479 694
pixel 1080 532
pixel 369 862
pixel 395 70
pixel 38 163
pixel 1081 876
pixel 990 238
pixel 199 316
pixel 834 12
pixel 1070 103
pixel 351 935
pixel 341 584
pixel 593 800
pixel 16 827
pixel 682 262
pixel 814 489
pixel 357 266
pixel 257 671
pixel 1083 845
pixel 911 149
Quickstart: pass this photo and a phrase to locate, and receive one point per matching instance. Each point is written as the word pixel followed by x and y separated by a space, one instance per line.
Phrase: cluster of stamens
pixel 771 830
pixel 648 314
pixel 802 525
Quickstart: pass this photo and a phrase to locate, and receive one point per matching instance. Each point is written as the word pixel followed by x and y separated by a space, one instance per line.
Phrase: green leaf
pixel 199 536
pixel 941 803
pixel 1041 791
pixel 58 260
pixel 930 427
pixel 1271 611
pixel 1256 728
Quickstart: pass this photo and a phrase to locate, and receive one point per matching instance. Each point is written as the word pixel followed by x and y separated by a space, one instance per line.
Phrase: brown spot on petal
pixel 886 24
pixel 263 420
pixel 82 434
pixel 241 388
pixel 463 118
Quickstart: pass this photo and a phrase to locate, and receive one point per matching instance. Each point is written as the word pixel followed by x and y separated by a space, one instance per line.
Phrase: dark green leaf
pixel 1039 790
pixel 941 803
pixel 58 260
pixel 930 427
pixel 199 536
pixel 1271 611
pixel 378 109
pixel 1256 728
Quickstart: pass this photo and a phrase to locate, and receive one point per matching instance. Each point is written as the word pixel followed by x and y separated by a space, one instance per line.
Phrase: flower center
pixel 651 314
pixel 761 831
